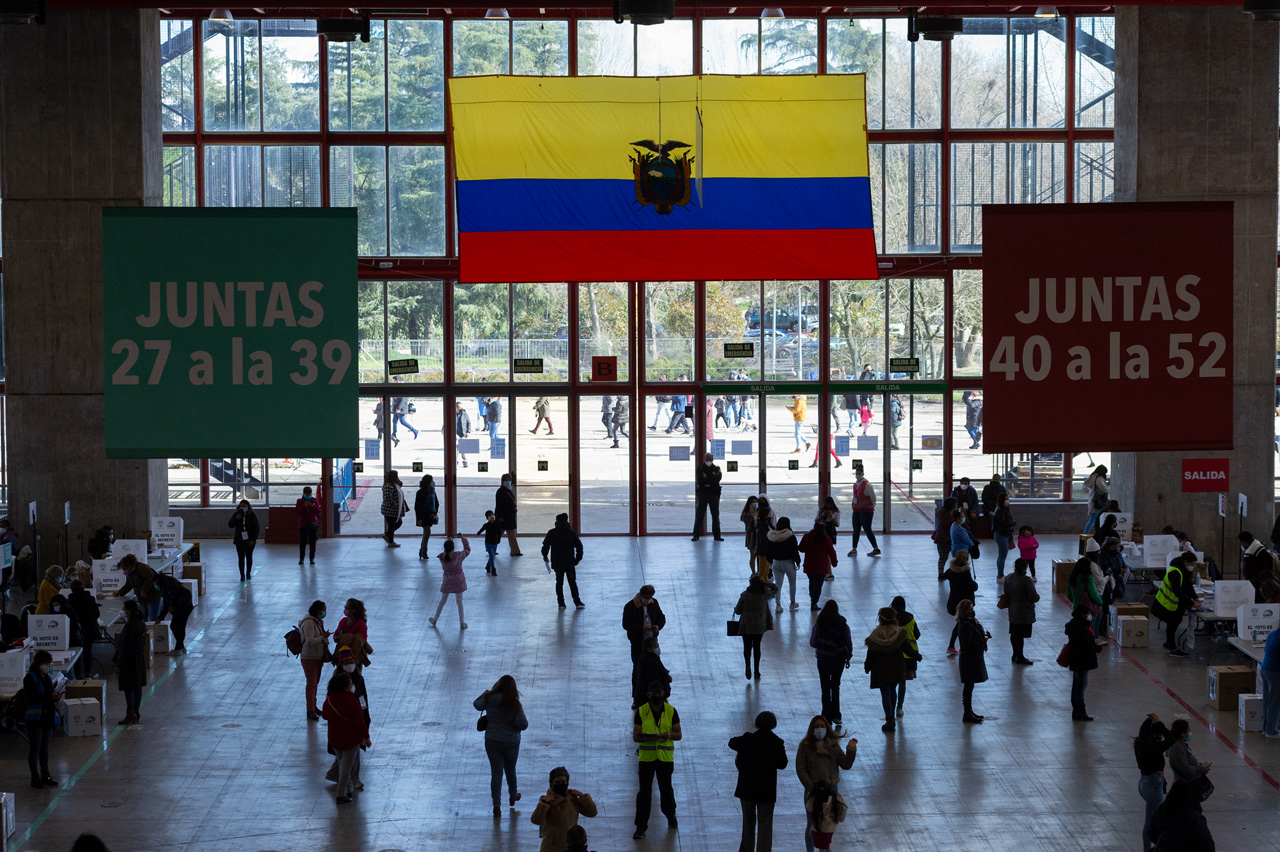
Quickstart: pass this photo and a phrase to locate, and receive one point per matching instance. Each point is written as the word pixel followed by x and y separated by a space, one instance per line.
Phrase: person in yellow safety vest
pixel 1176 596
pixel 656 728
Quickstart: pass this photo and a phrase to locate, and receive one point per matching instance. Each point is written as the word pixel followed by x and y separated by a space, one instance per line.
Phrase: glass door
pixel 604 462
pixel 914 474
pixel 791 451
pixel 541 464
pixel 669 449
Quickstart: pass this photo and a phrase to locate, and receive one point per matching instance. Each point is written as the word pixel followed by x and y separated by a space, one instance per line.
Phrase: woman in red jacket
pixel 348 733
pixel 819 556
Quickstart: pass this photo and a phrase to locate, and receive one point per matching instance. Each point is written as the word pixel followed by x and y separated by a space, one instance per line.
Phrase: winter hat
pixel 345 655
pixel 888 615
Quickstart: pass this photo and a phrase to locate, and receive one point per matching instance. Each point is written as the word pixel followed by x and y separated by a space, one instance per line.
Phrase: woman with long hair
pixel 753 606
pixel 819 556
pixel 833 647
pixel 1149 746
pixel 784 559
pixel 504 720
pixel 765 520
pixel 973 653
pixel 959 577
pixel 244 530
pixel 748 518
pixel 38 690
pixel 394 506
pixel 1099 488
pixel 819 760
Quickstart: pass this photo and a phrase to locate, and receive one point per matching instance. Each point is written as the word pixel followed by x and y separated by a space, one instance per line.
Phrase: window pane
pixel 358 178
pixel 481 334
pixel 1038 173
pixel 481 47
pixel 917 324
pixel 231 75
pixel 1095 171
pixel 977 177
pixel 603 314
pixel 792 307
pixel 540 329
pixel 357 84
pixel 232 176
pixel 292 176
pixel 730 47
pixel 290 76
pixel 177 76
pixel 415 56
pixel 415 314
pixel 668 331
pixel 665 50
pixel 730 307
pixel 1095 72
pixel 857 47
pixel 1038 72
pixel 875 167
pixel 373 331
pixel 541 48
pixel 912 79
pixel 966 306
pixel 856 327
pixel 911 198
pixel 978 76
pixel 417 200
pixel 179 188
pixel 789 46
pixel 606 48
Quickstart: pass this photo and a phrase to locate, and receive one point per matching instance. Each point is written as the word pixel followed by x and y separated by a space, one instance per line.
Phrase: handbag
pixel 731 627
pixel 1204 787
pixel 483 722
pixel 974 553
pixel 1064 658
pixel 1002 602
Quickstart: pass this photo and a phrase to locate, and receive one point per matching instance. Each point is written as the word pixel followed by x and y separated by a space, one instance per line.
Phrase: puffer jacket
pixel 754 608
pixel 885 662
pixel 782 545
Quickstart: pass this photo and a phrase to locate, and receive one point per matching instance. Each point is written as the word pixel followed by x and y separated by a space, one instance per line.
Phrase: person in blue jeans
pixel 493 420
pixel 1271 686
pixel 1149 746
pixel 1002 527
pixel 492 531
pixel 505 719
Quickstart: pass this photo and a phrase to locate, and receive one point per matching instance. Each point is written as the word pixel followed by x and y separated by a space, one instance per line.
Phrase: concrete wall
pixel 1196 120
pixel 79 130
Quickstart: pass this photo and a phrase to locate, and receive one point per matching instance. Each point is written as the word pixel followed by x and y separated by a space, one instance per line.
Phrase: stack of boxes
pixel 1061 574
pixel 1130 623
pixel 1227 684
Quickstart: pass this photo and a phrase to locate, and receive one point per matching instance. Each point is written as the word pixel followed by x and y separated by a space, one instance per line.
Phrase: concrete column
pixel 79 131
pixel 1196 120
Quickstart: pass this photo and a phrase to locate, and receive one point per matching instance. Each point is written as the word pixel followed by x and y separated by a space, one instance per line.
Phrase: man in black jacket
pixel 642 618
pixel 565 549
pixel 649 670
pixel 707 489
pixel 761 753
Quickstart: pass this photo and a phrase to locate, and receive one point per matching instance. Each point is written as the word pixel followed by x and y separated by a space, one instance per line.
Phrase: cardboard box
pixel 1062 569
pixel 13 668
pixel 1227 684
pixel 193 586
pixel 1133 631
pixel 49 632
pixel 1255 621
pixel 94 690
pixel 1250 712
pixel 83 718
pixel 1230 595
pixel 1123 609
pixel 161 641
pixel 194 571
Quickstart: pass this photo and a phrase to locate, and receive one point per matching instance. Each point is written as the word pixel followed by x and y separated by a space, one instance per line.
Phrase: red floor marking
pixel 911 502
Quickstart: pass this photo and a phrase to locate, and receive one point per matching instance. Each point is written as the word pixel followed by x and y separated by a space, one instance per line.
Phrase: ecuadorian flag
pixel 662 179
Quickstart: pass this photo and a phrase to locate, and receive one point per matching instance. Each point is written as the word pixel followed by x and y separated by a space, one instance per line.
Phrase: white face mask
pixel 962 486
pixel 819 733
pixel 349 667
pixel 708 463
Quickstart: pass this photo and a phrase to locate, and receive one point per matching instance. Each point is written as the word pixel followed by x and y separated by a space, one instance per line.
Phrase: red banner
pixel 1206 475
pixel 1107 327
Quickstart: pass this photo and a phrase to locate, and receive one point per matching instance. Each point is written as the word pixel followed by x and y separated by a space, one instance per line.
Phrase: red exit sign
pixel 1206 475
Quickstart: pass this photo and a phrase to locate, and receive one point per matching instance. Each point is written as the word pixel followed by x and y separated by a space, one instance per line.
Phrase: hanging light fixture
pixel 223 16
pixel 772 12
pixel 1047 12
pixel 496 15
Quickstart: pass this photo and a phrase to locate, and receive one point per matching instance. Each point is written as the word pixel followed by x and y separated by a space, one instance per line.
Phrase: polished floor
pixel 224 758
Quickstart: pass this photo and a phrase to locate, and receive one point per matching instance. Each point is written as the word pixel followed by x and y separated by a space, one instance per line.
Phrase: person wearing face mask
pixel 504 507
pixel 504 720
pixel 1082 658
pixel 559 810
pixel 864 507
pixel 819 758
pixel 244 531
pixel 41 717
pixel 140 579
pixel 656 728
pixel 756 620
pixel 1182 760
pixel 426 511
pixel 642 618
pixel 315 650
pixel 649 669
pixel 973 656
pixel 344 662
pixel 175 598
pixel 707 489
pixel 348 733
pixel 562 552
pixel 833 648
pixel 353 631
pixel 886 663
pixel 308 510
pixel 394 506
pixel 50 586
pixel 131 662
pixel 760 754
pixel 966 500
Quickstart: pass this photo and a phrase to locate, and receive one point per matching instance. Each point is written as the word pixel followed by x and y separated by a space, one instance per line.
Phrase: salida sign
pixel 1205 475
pixel 1099 319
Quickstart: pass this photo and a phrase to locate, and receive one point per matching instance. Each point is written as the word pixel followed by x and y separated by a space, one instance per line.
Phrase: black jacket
pixel 1181 830
pixel 1082 649
pixel 962 588
pixel 241 522
pixel 1150 754
pixel 87 611
pixel 760 755
pixel 786 549
pixel 504 508
pixel 633 619
pixel 130 659
pixel 174 596
pixel 426 507
pixel 563 544
pixel 649 668
pixel 707 480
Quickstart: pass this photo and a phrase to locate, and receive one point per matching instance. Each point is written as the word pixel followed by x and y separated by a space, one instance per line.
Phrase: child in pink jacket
pixel 454 582
pixel 1027 546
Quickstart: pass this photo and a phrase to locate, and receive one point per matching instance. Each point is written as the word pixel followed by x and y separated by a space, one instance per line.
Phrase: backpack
pixel 293 641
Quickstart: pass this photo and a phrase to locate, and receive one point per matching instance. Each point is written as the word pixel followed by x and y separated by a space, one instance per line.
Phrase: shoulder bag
pixel 1002 602
pixel 483 722
pixel 731 627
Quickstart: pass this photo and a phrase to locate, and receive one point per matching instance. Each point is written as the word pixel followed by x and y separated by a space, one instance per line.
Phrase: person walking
pixel 175 598
pixel 961 538
pixel 308 511
pixel 973 651
pixel 493 419
pixel 784 559
pixel 606 416
pixel 753 607
pixel 662 405
pixel 348 733
pixel 504 719
pixel 765 521
pixel 819 557
pixel 1175 597
pixel 562 551
pixel 797 409
pixel 426 511
pixel 749 522
pixel 829 516
pixel 492 532
pixel 1099 488
pixel 706 487
pixel 454 582
pixel 973 417
pixel 461 430
pixel 1178 825
pixel 401 408
pixel 621 419
pixel 819 760
pixel 678 418
pixel 315 650
pixel 942 534
pixel 833 649
pixel 656 727
pixel 1002 528
pixel 394 506
pixel 41 717
pixel 504 507
pixel 864 507
pixel 558 811
pixel 896 418
pixel 130 661
pixel 1021 595
pixel 542 407
pixel 1270 669
pixel 244 532
pixel 1082 658
pixel 760 754
pixel 911 651
pixel 887 645
pixel 961 587
pixel 1149 746
pixel 642 618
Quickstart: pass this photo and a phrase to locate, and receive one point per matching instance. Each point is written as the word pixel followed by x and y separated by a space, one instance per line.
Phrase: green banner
pixel 229 332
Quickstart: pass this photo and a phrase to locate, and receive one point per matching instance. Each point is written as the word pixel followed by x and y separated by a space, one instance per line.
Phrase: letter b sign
pixel 604 368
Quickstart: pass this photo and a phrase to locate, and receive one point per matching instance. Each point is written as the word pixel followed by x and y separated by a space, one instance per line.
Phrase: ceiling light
pixel 1263 10
pixel 344 29
pixel 221 16
pixel 772 12
pixel 497 15
pixel 933 29
pixel 1047 12
pixel 644 12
